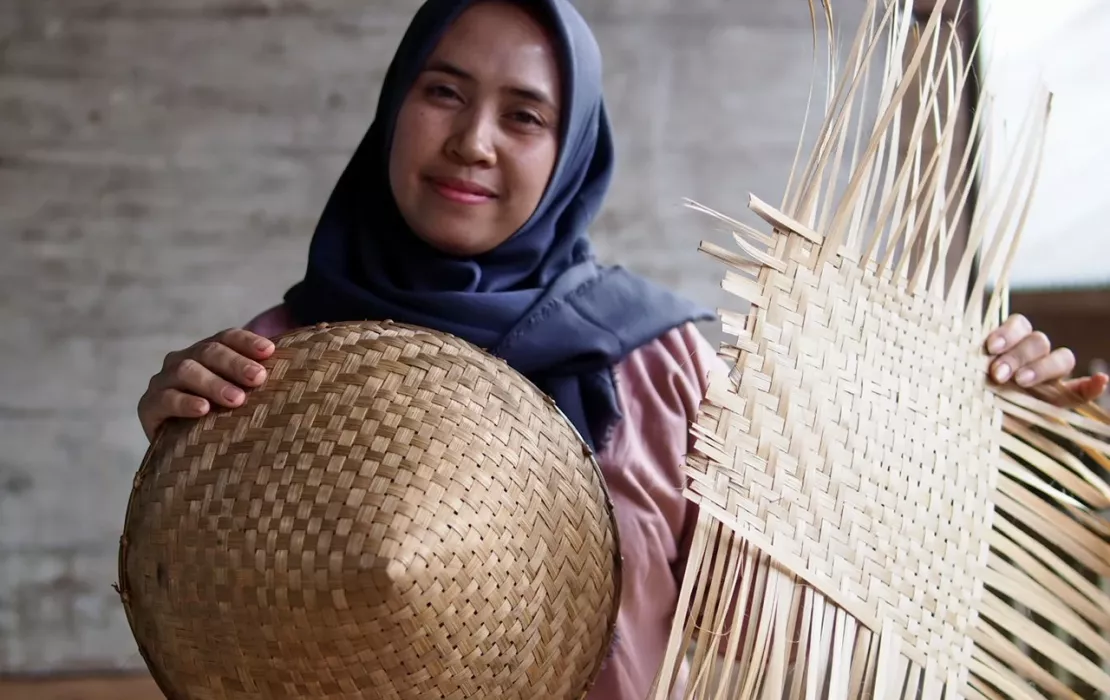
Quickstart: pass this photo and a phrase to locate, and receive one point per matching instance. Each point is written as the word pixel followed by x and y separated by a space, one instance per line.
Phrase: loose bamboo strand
pixel 1077 437
pixel 1015 585
pixel 1096 523
pixel 1053 459
pixel 997 247
pixel 801 183
pixel 803 648
pixel 944 231
pixel 984 691
pixel 1004 528
pixel 1069 485
pixel 894 199
pixel 736 226
pixel 1082 545
pixel 941 161
pixel 714 610
pixel 887 677
pixel 896 99
pixel 975 155
pixel 992 198
pixel 860 70
pixel 1013 469
pixel 873 168
pixel 932 218
pixel 1052 647
pixel 782 647
pixel 1011 685
pixel 1004 651
pixel 788 200
pixel 678 642
pixel 858 666
pixel 858 139
pixel 1008 203
pixel 1055 413
pixel 735 613
pixel 1095 608
pixel 914 180
pixel 840 92
pixel 1029 197
pixel 739 625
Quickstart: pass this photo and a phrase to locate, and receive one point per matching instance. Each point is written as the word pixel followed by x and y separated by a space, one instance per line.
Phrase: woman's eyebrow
pixel 440 66
pixel 528 93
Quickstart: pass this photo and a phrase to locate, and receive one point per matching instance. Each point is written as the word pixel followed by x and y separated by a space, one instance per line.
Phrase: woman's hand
pixel 1026 357
pixel 215 370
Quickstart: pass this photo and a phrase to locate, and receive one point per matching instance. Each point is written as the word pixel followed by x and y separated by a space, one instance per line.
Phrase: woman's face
pixel 477 136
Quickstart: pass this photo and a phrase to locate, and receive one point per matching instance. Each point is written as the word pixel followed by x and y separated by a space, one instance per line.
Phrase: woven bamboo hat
pixel 394 514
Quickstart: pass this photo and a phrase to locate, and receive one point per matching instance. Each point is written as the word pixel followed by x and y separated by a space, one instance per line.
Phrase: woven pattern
pixel 877 519
pixel 395 514
pixel 869 458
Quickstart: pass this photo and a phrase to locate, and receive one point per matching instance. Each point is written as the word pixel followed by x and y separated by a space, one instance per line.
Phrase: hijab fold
pixel 540 301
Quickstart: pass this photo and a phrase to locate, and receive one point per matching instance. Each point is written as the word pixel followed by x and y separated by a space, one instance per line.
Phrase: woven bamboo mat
pixel 877 519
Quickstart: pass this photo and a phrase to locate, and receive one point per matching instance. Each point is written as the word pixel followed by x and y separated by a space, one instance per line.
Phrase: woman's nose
pixel 473 140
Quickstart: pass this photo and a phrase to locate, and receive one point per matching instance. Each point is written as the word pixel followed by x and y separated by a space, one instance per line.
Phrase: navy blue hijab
pixel 539 301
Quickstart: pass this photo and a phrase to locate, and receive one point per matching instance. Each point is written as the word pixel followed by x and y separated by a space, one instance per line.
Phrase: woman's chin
pixel 456 242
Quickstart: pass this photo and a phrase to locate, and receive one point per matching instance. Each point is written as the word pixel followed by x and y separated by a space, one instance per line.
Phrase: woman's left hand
pixel 1026 357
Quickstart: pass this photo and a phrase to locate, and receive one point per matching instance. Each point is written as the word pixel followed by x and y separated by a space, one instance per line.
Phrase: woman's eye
pixel 527 118
pixel 442 92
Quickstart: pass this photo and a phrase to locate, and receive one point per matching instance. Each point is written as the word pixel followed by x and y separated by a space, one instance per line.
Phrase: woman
pixel 465 208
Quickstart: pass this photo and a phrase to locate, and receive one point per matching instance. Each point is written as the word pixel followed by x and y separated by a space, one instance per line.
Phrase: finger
pixel 1056 365
pixel 172 358
pixel 1032 348
pixel 1089 388
pixel 246 343
pixel 1096 386
pixel 192 377
pixel 155 408
pixel 1015 329
pixel 228 363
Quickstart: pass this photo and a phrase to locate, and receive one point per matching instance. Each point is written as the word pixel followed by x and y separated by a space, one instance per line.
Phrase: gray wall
pixel 162 163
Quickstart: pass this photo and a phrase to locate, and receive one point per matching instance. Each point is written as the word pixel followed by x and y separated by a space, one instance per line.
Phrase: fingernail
pixel 996 345
pixel 198 406
pixel 1024 377
pixel 252 372
pixel 1002 372
pixel 263 345
pixel 232 394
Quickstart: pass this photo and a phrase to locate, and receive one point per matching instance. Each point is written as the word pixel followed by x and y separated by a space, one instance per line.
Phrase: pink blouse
pixel 660 387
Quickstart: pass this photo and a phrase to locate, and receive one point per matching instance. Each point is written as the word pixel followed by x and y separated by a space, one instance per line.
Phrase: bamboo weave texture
pixel 394 514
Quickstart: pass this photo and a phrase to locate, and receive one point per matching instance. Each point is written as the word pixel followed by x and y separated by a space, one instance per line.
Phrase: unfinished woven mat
pixel 394 514
pixel 877 519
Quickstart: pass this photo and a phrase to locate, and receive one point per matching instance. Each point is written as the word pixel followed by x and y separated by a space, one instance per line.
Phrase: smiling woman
pixel 477 136
pixel 466 209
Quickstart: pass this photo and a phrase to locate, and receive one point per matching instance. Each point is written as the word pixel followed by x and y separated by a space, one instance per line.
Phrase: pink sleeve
pixel 272 322
pixel 703 361
pixel 661 388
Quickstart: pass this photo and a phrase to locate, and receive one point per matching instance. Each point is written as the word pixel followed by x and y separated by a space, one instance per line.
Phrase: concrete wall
pixel 162 164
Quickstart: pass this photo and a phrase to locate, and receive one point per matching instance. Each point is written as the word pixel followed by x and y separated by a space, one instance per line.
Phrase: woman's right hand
pixel 214 370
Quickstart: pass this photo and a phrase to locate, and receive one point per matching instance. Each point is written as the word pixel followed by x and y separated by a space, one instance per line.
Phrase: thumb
pixel 1088 388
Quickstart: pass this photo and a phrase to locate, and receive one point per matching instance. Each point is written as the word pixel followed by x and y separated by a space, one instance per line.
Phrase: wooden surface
pixel 137 687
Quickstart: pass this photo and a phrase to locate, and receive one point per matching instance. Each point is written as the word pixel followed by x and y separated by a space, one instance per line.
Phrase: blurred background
pixel 163 163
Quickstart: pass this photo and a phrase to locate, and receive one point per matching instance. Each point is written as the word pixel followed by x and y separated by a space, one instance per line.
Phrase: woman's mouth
pixel 461 191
